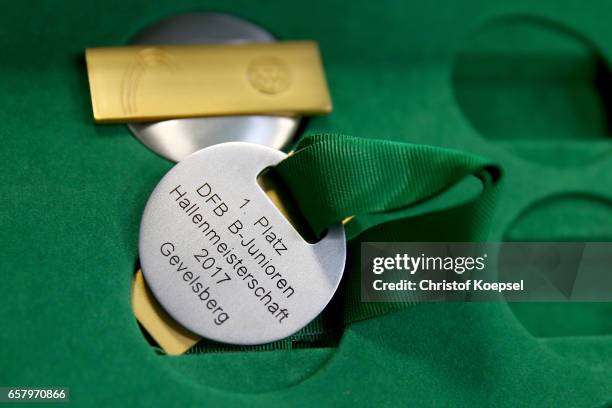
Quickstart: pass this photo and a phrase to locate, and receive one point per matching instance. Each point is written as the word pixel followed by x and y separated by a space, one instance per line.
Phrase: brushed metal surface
pixel 203 237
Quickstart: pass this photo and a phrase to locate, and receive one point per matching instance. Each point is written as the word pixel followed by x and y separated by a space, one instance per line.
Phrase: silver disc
pixel 222 259
pixel 177 138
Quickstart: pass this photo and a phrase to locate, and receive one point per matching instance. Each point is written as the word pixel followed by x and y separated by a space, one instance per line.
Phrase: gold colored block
pixel 173 338
pixel 150 83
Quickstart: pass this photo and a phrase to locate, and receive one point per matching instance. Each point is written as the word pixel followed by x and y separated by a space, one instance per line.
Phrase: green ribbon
pixel 393 192
pixel 333 177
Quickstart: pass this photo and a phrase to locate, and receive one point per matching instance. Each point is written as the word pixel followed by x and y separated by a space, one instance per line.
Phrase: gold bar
pixel 149 83
pixel 173 338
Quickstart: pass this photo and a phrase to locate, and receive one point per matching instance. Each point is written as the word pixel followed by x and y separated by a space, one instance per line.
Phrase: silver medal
pixel 223 260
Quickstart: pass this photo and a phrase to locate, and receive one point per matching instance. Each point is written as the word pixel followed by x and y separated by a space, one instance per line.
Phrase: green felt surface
pixel 73 193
